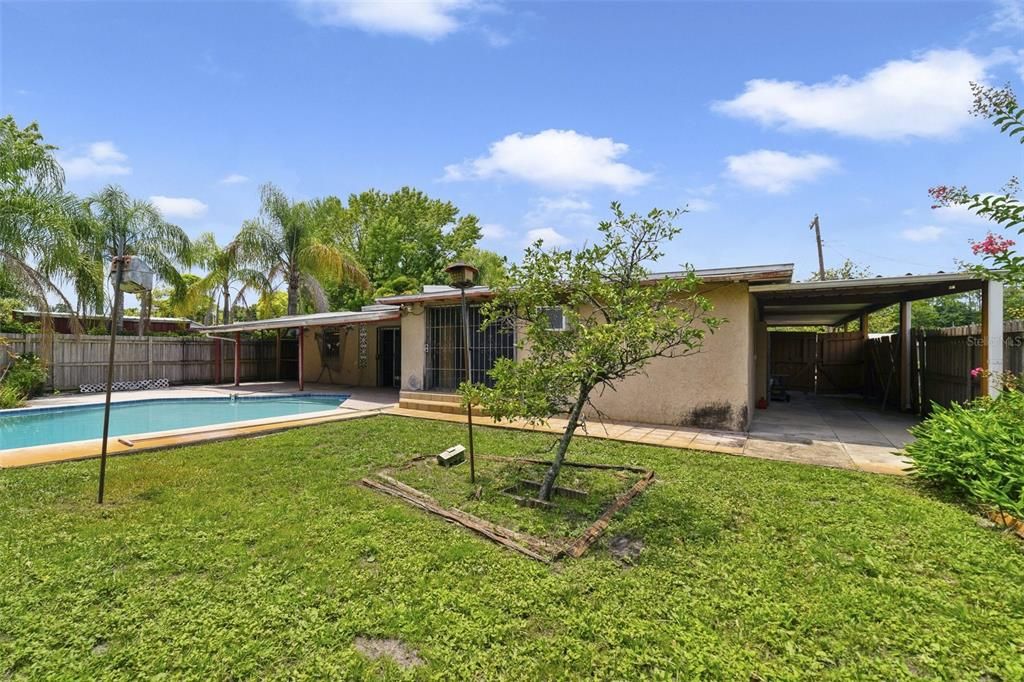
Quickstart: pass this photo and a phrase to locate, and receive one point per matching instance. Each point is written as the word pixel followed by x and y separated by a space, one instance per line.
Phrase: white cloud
pixel 698 205
pixel 1009 16
pixel 959 215
pixel 926 233
pixel 179 207
pixel 493 231
pixel 777 172
pixel 565 211
pixel 233 179
pixel 927 96
pixel 548 235
pixel 101 159
pixel 554 158
pixel 426 19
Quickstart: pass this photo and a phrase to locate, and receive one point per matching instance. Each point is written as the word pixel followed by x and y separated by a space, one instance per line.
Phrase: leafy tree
pixel 492 266
pixel 848 270
pixel 225 273
pixel 617 321
pixel 399 285
pixel 181 302
pixel 287 240
pixel 133 227
pixel 403 233
pixel 38 245
pixel 1000 106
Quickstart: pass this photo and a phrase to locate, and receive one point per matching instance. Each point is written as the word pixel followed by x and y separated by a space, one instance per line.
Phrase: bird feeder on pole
pixel 462 276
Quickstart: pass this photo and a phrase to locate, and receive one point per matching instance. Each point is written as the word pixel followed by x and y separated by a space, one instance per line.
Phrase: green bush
pixel 9 397
pixel 975 451
pixel 26 376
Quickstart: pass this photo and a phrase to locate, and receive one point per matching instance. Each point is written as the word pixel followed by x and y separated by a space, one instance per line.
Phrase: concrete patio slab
pixel 841 433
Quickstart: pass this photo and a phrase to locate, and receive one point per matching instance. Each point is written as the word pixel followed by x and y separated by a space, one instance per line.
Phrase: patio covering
pixel 837 302
pixel 368 314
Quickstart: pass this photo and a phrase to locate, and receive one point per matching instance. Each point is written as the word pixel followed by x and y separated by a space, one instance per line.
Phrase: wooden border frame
pixel 528 545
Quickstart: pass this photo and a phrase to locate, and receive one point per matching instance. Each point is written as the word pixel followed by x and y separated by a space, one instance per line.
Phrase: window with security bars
pixel 556 318
pixel 446 365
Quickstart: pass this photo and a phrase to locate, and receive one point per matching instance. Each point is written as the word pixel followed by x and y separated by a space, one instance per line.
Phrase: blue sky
pixel 534 116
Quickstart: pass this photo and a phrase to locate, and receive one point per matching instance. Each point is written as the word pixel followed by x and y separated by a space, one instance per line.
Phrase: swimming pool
pixel 46 426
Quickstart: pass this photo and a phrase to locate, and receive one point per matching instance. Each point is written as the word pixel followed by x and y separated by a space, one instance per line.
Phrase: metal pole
pixel 816 225
pixel 118 275
pixel 469 379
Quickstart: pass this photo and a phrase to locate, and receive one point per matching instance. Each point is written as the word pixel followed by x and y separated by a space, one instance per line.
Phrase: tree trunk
pixel 140 327
pixel 548 483
pixel 118 306
pixel 227 304
pixel 293 292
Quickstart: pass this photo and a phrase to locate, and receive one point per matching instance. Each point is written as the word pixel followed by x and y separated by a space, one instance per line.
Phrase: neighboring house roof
pixel 36 313
pixel 782 272
pixel 835 302
pixel 370 313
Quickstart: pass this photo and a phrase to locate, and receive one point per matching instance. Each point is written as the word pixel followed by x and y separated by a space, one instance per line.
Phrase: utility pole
pixel 816 226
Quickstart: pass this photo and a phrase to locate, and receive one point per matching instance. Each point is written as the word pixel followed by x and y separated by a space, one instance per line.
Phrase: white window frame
pixel 561 310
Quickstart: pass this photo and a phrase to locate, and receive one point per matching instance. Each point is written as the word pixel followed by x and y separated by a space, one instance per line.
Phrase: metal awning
pixel 369 314
pixel 780 272
pixel 837 302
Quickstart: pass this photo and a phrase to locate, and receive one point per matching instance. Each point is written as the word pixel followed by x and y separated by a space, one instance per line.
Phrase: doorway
pixel 389 357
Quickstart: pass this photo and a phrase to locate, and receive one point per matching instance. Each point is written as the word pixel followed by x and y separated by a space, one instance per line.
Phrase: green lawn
pixel 261 558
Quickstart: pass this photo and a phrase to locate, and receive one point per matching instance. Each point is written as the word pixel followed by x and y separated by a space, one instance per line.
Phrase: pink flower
pixel 976 372
pixel 992 245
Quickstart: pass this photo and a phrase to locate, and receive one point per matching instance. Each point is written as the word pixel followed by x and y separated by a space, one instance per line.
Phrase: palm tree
pixel 38 219
pixel 121 225
pixel 286 240
pixel 224 272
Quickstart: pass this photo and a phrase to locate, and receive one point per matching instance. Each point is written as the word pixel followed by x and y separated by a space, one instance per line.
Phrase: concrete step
pixel 429 395
pixel 437 406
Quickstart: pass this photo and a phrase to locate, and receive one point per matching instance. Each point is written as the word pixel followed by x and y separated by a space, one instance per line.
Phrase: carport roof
pixel 837 302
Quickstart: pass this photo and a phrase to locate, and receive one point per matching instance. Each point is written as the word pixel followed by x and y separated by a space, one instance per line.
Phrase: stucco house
pixel 413 343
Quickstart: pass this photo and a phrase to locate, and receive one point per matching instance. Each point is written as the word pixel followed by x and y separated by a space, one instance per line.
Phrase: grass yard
pixel 262 558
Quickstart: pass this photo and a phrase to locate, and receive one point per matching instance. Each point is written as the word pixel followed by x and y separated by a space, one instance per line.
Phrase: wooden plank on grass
pixel 583 542
pixel 473 523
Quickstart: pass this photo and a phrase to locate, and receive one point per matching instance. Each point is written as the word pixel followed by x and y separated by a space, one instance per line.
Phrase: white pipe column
pixel 992 336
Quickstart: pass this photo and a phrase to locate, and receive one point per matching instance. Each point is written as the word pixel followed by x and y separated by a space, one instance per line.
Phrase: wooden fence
pixel 941 364
pixel 181 360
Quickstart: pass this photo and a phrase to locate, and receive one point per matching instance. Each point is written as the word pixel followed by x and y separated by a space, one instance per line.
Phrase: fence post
pixel 149 357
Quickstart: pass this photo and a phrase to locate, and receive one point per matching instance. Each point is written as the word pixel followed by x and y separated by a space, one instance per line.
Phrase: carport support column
pixel 905 356
pixel 238 357
pixel 992 337
pixel 302 358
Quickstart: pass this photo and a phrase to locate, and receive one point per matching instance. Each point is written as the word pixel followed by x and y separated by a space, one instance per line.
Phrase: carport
pixel 836 303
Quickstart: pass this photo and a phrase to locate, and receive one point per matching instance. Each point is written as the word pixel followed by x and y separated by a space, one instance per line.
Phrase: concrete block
pixel 452 456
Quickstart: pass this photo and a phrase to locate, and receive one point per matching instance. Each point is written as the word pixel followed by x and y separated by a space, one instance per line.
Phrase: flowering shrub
pixel 991 245
pixel 975 451
pixel 998 105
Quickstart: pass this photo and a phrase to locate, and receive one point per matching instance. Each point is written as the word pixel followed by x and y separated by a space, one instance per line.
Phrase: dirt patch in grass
pixel 625 549
pixel 395 649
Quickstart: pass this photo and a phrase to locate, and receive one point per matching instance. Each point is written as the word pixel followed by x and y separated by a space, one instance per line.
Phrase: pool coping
pixel 139 442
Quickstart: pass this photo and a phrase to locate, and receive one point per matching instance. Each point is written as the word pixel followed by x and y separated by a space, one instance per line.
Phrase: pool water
pixel 24 428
